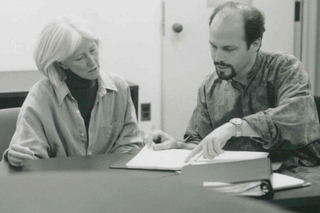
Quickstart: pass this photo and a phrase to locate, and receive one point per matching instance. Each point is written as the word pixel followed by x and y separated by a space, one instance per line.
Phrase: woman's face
pixel 85 61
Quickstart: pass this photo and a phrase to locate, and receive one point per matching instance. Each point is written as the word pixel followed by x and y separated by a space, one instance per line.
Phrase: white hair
pixel 58 41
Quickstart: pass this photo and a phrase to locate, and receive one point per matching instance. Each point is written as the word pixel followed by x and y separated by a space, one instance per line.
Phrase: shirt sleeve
pixel 200 124
pixel 30 132
pixel 130 138
pixel 293 123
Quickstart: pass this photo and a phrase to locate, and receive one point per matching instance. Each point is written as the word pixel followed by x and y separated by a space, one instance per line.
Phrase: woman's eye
pixel 78 59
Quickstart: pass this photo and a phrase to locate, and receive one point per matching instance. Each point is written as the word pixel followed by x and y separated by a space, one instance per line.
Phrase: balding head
pixel 250 18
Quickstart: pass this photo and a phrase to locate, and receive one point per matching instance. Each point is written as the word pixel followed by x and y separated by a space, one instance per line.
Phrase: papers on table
pixel 229 156
pixel 173 159
pixel 281 181
pixel 253 188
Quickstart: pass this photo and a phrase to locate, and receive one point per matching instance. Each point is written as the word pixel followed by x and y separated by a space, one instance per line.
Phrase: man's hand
pixel 211 146
pixel 159 140
pixel 18 154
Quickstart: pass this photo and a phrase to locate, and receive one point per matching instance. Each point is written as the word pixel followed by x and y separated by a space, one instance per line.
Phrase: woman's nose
pixel 91 61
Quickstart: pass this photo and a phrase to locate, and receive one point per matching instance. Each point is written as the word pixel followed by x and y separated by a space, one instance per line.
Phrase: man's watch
pixel 237 122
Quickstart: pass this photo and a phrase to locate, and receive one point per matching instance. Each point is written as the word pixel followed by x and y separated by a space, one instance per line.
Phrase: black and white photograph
pixel 154 106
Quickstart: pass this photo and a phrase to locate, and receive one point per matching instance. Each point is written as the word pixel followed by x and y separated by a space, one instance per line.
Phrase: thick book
pixel 173 159
pixel 249 177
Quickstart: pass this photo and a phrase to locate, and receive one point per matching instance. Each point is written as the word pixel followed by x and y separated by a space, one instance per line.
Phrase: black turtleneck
pixel 84 91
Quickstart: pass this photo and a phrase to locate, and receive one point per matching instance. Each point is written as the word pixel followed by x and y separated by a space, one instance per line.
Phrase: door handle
pixel 177 28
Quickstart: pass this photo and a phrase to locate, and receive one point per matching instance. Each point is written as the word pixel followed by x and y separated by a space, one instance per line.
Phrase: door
pixel 186 61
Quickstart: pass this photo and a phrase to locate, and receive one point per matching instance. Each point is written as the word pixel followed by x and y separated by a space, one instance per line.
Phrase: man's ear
pixel 255 46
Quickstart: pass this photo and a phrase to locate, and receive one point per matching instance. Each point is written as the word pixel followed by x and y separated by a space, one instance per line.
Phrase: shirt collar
pixel 256 67
pixel 105 83
pixel 253 72
pixel 62 90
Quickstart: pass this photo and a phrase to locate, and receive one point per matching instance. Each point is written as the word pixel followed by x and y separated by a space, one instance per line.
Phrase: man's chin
pixel 224 76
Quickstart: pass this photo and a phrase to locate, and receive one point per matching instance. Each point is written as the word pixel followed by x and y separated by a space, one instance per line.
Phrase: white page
pixel 229 156
pixel 252 188
pixel 281 181
pixel 173 159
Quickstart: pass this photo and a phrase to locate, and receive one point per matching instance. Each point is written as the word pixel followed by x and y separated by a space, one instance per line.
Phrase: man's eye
pixel 229 49
pixel 78 59
pixel 93 50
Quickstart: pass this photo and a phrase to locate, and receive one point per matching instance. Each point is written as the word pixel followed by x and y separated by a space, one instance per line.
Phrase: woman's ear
pixel 62 65
pixel 255 46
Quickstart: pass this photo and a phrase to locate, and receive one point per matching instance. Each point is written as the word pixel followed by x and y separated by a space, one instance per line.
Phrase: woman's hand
pixel 18 154
pixel 160 140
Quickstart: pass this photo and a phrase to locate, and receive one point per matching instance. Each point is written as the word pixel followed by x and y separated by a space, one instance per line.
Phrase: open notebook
pixel 281 182
pixel 253 188
pixel 173 159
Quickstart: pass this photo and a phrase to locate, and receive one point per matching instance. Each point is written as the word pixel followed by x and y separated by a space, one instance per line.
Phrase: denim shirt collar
pixel 105 83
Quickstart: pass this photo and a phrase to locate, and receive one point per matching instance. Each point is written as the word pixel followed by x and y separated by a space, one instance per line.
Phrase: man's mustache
pixel 221 63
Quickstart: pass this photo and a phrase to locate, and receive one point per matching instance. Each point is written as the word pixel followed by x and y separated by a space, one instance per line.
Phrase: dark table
pixel 87 184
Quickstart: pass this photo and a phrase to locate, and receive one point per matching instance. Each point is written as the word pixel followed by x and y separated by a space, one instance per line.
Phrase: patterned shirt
pixel 277 103
pixel 51 125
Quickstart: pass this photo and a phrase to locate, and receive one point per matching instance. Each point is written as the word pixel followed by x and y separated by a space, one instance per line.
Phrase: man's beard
pixel 222 75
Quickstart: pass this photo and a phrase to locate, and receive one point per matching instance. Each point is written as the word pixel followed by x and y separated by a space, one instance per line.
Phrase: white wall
pixel 279 17
pixel 129 32
pixel 317 71
pixel 310 27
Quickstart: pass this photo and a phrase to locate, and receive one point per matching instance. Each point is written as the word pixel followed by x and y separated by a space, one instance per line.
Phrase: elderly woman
pixel 77 109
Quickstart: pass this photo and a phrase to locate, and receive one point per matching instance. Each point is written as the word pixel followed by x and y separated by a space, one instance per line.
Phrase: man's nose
pixel 219 56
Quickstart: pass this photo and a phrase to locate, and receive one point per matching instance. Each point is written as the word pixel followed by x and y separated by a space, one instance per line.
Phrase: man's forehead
pixel 224 43
pixel 229 13
pixel 229 16
pixel 226 26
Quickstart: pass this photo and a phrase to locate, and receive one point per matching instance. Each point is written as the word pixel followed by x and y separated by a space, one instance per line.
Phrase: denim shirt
pixel 51 125
pixel 277 103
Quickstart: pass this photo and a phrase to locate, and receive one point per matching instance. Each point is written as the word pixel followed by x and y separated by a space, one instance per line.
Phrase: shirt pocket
pixel 104 140
pixel 110 132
